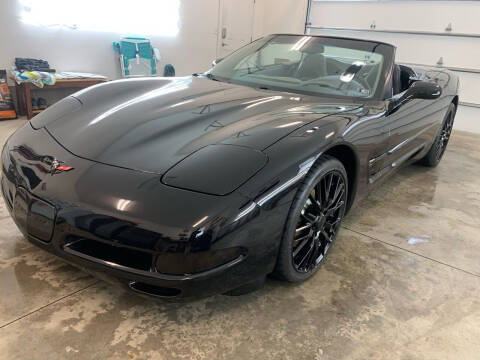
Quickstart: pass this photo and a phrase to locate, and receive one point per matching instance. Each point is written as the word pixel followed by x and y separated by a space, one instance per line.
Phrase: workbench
pixel 24 96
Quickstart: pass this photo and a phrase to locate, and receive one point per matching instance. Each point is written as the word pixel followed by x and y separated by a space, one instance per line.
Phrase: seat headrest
pixel 313 47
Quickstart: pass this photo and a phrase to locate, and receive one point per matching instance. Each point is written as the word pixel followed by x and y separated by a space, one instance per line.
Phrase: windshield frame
pixel 384 49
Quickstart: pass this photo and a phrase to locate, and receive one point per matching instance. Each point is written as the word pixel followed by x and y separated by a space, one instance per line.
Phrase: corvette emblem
pixel 59 166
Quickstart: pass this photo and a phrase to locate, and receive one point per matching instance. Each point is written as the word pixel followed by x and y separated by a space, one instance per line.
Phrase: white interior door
pixel 235 25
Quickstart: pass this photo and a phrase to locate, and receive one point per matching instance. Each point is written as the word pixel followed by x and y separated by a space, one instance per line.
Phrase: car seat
pixel 402 78
pixel 313 63
pixel 396 81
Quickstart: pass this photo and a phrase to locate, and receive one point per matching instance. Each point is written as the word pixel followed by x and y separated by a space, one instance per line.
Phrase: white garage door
pixel 434 32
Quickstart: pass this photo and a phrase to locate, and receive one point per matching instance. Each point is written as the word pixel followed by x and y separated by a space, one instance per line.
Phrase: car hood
pixel 150 124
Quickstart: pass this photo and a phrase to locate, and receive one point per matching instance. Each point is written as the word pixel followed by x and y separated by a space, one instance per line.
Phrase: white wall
pixel 66 49
pixel 280 16
pixel 192 50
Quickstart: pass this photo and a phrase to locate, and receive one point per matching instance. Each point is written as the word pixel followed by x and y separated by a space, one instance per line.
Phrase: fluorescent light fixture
pixel 143 17
pixel 263 101
pixel 200 221
pixel 330 134
pixel 123 204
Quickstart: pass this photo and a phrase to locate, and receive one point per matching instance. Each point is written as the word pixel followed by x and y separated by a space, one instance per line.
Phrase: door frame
pixel 220 26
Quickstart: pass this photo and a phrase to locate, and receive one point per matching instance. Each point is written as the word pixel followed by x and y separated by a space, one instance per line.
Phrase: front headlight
pixel 216 169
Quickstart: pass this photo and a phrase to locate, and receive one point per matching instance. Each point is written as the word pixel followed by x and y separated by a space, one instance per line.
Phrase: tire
pixel 305 233
pixel 440 143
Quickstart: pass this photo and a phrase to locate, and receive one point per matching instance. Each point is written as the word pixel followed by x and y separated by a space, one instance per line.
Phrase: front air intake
pixel 153 290
pixel 114 256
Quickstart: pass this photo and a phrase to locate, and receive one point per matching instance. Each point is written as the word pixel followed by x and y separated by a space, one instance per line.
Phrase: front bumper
pixel 124 225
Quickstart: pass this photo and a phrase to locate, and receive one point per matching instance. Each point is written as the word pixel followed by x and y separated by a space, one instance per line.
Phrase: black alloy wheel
pixel 318 222
pixel 444 136
pixel 436 151
pixel 314 220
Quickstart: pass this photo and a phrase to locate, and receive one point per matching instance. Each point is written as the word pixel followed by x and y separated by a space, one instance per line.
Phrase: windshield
pixel 306 64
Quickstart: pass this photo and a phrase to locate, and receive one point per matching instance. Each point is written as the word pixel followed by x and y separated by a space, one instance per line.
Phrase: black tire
pixel 440 143
pixel 307 203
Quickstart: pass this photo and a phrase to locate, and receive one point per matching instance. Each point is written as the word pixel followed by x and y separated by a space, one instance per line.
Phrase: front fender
pixel 290 160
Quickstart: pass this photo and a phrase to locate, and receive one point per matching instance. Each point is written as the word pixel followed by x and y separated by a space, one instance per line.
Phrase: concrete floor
pixel 402 282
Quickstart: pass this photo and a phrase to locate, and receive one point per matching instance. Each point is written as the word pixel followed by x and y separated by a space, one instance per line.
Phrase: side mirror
pixel 418 90
pixel 216 61
pixel 424 90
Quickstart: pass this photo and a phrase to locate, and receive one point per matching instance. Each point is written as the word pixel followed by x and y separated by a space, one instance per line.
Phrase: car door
pixel 411 127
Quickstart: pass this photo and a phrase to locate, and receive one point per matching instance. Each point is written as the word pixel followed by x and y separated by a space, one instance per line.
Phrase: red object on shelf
pixel 7 110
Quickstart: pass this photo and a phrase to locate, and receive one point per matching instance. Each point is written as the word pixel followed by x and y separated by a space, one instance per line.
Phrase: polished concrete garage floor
pixel 402 282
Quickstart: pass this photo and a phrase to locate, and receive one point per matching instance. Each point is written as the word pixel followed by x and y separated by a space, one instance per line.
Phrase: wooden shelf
pixel 25 99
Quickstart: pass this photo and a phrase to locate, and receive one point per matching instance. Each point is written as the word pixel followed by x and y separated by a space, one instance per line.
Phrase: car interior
pixel 314 67
pixel 402 78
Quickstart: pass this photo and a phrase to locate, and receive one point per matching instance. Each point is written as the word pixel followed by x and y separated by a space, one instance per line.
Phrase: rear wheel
pixel 314 220
pixel 439 146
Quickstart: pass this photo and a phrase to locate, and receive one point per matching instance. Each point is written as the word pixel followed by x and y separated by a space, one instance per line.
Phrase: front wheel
pixel 314 220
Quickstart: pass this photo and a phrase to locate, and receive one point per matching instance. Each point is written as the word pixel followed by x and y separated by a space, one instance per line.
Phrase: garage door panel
pixel 469 87
pixel 467 119
pixel 399 15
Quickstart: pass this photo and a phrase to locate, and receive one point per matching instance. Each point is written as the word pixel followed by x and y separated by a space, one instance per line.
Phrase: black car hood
pixel 150 124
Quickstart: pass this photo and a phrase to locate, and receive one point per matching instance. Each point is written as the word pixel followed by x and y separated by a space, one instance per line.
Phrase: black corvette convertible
pixel 191 186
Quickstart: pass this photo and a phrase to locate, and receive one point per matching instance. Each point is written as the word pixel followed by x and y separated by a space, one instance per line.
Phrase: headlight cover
pixel 216 169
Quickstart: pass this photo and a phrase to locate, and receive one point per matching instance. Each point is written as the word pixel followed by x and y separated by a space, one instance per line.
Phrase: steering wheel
pixel 321 83
pixel 334 82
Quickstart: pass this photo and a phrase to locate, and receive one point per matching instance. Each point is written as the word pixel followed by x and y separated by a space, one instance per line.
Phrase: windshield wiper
pixel 208 76
pixel 211 77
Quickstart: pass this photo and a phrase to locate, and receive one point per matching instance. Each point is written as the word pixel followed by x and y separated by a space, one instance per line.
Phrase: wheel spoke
pixel 337 204
pixel 328 185
pixel 319 197
pixel 309 217
pixel 332 210
pixel 301 244
pixel 332 224
pixel 315 203
pixel 303 227
pixel 306 256
pixel 338 192
pixel 326 236
pixel 314 255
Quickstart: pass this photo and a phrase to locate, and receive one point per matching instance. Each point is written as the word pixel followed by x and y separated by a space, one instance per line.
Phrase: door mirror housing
pixel 216 61
pixel 424 90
